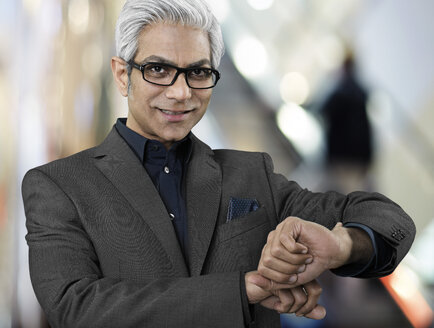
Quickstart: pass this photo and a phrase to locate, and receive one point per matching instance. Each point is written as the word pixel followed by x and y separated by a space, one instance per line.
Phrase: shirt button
pixel 166 169
pixel 172 216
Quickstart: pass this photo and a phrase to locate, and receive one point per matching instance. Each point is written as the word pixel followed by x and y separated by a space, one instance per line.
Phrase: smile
pixel 169 112
pixel 175 116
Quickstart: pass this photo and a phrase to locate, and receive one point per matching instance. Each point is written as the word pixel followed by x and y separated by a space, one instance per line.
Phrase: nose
pixel 179 90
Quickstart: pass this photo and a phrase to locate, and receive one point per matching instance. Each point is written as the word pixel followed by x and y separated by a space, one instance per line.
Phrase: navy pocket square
pixel 239 207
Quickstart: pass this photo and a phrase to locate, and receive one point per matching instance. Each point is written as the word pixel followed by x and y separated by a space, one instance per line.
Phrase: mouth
pixel 170 112
pixel 175 115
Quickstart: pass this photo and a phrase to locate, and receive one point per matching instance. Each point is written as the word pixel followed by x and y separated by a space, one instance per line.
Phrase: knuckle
pixel 317 291
pixel 276 251
pixel 267 261
pixel 288 303
pixel 281 278
pixel 261 269
pixel 313 288
pixel 284 238
pixel 285 308
pixel 300 301
pixel 314 291
pixel 300 297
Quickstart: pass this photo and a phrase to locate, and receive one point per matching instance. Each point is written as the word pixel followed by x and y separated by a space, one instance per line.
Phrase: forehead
pixel 174 42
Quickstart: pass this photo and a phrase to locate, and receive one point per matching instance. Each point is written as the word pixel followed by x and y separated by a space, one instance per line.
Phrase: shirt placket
pixel 169 192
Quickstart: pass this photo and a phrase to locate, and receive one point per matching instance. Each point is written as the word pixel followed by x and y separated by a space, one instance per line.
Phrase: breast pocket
pixel 238 243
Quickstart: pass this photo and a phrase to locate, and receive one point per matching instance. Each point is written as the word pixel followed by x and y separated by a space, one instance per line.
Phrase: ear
pixel 120 74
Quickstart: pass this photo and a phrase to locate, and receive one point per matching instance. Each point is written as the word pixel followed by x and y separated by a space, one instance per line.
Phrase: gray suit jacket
pixel 104 253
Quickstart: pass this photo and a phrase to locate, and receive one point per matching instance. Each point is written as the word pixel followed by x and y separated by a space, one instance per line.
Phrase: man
pixel 153 228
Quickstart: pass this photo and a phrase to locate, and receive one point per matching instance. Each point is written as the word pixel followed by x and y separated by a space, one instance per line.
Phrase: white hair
pixel 137 14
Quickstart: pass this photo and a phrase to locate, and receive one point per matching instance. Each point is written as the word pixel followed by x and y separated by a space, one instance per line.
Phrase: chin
pixel 173 137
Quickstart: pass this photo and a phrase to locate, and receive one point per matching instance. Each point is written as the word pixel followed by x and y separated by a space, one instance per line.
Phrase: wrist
pixel 345 246
pixel 355 245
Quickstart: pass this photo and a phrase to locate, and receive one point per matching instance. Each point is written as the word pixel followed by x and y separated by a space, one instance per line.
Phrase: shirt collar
pixel 138 142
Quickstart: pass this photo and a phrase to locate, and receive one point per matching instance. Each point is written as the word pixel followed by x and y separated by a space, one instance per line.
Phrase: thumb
pixel 318 313
pixel 267 284
pixel 260 281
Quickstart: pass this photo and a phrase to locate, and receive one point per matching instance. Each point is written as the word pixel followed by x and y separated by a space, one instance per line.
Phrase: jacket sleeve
pixel 372 210
pixel 72 291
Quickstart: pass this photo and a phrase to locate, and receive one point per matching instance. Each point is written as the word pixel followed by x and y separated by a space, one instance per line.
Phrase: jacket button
pixel 398 235
pixel 166 170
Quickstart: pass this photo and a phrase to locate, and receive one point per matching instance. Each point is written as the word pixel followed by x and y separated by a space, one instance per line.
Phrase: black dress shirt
pixel 166 169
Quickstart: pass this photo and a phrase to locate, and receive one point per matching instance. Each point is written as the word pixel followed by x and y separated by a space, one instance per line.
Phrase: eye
pixel 158 69
pixel 200 73
pixel 197 71
pixel 154 71
pixel 154 68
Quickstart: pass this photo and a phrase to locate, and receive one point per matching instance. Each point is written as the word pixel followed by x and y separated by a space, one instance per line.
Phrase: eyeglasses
pixel 166 75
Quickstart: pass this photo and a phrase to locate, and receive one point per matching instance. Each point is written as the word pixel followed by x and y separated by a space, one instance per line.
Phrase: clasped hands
pixel 295 254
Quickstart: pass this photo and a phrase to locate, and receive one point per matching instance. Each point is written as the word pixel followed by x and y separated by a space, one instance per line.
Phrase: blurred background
pixel 306 81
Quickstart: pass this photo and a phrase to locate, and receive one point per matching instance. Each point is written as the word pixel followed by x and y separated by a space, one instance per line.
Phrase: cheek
pixel 142 92
pixel 205 97
pixel 143 100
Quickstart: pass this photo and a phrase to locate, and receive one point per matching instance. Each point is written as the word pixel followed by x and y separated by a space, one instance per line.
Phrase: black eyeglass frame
pixel 179 70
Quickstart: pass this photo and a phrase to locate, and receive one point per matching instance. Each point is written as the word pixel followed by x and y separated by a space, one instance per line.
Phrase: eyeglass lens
pixel 199 77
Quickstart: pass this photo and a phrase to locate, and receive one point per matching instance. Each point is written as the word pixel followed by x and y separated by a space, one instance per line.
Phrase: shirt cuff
pixel 248 309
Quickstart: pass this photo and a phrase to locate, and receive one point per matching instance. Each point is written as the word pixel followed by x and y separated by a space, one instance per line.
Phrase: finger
pixel 280 251
pixel 277 270
pixel 274 263
pixel 278 286
pixel 318 313
pixel 254 292
pixel 261 281
pixel 271 236
pixel 274 249
pixel 285 235
pixel 278 277
pixel 310 273
pixel 286 300
pixel 313 292
pixel 300 299
pixel 270 302
pixel 266 284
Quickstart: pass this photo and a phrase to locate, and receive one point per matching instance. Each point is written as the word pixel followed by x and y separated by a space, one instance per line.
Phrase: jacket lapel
pixel 120 165
pixel 203 193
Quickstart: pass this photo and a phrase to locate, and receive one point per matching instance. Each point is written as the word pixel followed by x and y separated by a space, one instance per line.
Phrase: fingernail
pixel 302 268
pixel 309 260
pixel 293 279
pixel 304 251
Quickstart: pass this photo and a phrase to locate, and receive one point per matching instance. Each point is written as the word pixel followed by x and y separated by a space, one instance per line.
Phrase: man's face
pixel 168 113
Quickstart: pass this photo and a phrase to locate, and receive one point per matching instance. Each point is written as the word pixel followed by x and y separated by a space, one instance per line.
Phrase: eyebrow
pixel 162 60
